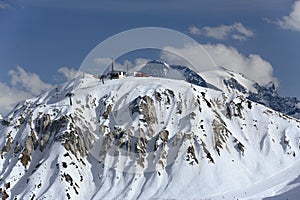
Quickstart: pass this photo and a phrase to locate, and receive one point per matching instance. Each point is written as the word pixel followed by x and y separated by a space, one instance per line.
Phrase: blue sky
pixel 42 42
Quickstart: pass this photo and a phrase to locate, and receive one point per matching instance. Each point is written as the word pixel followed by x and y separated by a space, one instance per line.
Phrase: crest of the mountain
pixel 156 68
pixel 145 138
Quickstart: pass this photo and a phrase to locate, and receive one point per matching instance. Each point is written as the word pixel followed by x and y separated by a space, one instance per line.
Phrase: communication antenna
pixel 112 64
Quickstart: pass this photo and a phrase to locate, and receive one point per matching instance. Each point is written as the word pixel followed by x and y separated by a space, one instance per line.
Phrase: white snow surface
pixel 217 77
pixel 147 138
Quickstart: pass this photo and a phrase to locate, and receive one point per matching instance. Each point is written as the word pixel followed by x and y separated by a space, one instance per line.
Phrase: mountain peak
pixel 156 68
pixel 158 62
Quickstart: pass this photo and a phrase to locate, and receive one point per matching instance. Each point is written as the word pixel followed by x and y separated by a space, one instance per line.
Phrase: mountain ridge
pixel 142 138
pixel 231 82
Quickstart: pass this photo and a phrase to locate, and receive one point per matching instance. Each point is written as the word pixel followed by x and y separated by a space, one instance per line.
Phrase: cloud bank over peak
pixel 252 66
pixel 236 31
pixel 292 21
pixel 68 73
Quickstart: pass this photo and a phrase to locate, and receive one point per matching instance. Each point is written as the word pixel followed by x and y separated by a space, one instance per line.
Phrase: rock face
pixel 142 138
pixel 266 95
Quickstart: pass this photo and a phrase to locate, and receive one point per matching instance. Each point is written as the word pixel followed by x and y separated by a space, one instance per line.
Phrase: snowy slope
pixel 229 81
pixel 143 138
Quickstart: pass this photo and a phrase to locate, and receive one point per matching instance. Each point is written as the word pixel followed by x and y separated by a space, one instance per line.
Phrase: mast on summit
pixel 112 64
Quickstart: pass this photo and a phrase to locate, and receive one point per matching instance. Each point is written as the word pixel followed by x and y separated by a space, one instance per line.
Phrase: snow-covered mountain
pixel 231 82
pixel 146 138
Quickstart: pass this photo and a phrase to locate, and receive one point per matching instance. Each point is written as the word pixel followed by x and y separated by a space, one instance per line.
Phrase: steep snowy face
pixel 231 82
pixel 161 69
pixel 142 138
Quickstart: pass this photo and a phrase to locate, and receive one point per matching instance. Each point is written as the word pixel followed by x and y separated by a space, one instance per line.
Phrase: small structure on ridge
pixel 115 74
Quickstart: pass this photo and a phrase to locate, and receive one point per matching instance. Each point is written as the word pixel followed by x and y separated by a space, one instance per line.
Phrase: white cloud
pixel 140 61
pixel 10 96
pixel 22 85
pixel 252 66
pixel 235 31
pixel 68 73
pixel 291 22
pixel 27 81
pixel 194 30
